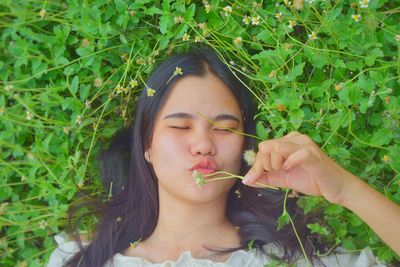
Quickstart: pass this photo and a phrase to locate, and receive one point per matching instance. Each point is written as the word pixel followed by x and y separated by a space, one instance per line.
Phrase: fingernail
pixel 247 178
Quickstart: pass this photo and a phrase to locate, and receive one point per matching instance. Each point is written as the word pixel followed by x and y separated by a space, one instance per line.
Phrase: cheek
pixel 232 149
pixel 166 147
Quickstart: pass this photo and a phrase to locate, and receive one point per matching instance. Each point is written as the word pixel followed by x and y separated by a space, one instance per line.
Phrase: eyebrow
pixel 220 117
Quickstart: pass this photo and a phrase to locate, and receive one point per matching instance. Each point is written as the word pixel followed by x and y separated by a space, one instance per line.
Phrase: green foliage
pixel 67 83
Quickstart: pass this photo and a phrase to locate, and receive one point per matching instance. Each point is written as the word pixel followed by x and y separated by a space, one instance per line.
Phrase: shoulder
pixel 365 257
pixel 64 251
pixel 340 258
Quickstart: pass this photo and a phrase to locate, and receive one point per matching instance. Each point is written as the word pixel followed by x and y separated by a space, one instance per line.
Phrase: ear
pixel 147 156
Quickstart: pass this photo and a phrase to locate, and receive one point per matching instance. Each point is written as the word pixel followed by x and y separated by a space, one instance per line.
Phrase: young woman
pixel 171 221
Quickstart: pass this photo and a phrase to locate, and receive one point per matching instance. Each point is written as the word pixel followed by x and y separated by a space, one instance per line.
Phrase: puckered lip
pixel 205 166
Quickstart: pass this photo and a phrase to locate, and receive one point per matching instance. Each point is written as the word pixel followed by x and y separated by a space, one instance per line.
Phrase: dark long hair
pixel 132 212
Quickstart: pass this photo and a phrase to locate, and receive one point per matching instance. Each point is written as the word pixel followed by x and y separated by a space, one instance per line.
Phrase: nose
pixel 203 143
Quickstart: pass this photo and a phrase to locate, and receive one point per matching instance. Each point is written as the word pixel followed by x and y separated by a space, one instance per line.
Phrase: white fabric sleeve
pixel 365 258
pixel 64 251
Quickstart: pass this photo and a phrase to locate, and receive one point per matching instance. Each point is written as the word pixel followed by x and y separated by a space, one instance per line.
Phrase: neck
pixel 183 226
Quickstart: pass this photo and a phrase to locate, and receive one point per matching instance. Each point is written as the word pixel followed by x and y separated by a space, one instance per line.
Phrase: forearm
pixel 381 214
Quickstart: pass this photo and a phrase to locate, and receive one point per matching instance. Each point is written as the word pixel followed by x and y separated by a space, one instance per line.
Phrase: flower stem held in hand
pixel 199 178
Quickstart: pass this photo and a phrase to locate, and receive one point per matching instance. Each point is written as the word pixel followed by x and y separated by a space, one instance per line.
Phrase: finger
pixel 276 161
pixel 263 160
pixel 298 138
pixel 274 179
pixel 291 134
pixel 255 171
pixel 266 161
pixel 304 157
pixel 282 147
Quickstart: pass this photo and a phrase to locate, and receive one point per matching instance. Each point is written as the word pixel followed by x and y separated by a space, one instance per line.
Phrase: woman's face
pixel 183 138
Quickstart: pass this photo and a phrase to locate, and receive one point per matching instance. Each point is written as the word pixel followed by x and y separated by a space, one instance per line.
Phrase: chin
pixel 208 192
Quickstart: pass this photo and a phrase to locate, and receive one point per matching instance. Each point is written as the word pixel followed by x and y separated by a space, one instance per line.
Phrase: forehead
pixel 208 95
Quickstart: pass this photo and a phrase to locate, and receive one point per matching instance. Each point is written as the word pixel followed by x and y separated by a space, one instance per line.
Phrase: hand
pixel 296 162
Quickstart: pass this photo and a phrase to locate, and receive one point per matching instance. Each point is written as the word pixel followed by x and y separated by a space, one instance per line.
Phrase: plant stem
pixel 230 175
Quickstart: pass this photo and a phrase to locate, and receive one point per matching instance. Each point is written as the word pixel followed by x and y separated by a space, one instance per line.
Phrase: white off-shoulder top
pixel 240 258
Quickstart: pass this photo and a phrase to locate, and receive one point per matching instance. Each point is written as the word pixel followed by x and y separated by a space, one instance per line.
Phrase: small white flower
pixel 86 43
pixel 237 193
pixel 292 23
pixel 250 157
pixel 118 88
pixel 198 178
pixel 202 25
pixel 42 13
pixel 98 82
pixel 66 130
pixel 364 3
pixel 3 206
pixel 178 20
pixel 397 38
pixel 178 71
pixel 88 104
pixel 29 115
pixel 246 20
pixel 150 92
pixel 185 37
pixel 287 2
pixel 78 120
pixel 279 16
pixel 356 17
pixel 207 6
pixel 227 10
pixel 9 87
pixel 386 159
pixel 313 36
pixel 256 5
pixel 310 1
pixel 30 155
pixel 238 40
pixel 232 63
pixel 255 20
pixel 140 61
pixel 133 83
pixel 42 224
pixel 197 39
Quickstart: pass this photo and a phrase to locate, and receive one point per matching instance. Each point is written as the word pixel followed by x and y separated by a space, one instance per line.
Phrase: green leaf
pixel 84 91
pixel 153 10
pixel 309 203
pixel 382 137
pixel 296 118
pixel 283 220
pixel 46 142
pixel 261 131
pixel 190 12
pixel 165 22
pixel 296 72
pixel 349 244
pixel 334 209
pixel 123 38
pixel 120 6
pixel 73 88
pixel 317 228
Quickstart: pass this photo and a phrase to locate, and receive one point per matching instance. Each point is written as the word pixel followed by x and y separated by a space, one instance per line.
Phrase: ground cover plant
pixel 70 72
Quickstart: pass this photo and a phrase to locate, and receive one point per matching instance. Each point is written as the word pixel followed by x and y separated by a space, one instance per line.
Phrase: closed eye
pixel 223 129
pixel 179 128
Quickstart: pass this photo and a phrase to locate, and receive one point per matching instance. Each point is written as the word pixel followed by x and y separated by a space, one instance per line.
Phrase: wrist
pixel 352 191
